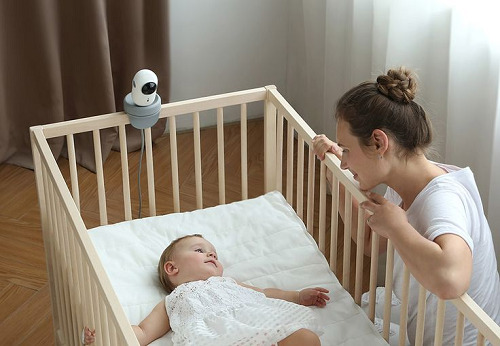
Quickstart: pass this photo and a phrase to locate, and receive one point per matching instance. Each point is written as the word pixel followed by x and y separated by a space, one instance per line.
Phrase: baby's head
pixel 188 258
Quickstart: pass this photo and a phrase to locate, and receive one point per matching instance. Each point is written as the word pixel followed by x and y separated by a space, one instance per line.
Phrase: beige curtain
pixel 68 59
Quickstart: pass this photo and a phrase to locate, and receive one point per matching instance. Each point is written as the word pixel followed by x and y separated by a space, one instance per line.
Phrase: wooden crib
pixel 80 289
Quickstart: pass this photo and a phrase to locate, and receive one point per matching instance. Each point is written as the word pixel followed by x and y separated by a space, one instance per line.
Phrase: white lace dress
pixel 220 312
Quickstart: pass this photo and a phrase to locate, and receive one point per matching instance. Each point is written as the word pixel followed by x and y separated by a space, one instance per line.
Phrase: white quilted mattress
pixel 260 241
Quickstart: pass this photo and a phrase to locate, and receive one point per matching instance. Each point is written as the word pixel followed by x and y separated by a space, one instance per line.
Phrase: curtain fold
pixel 62 60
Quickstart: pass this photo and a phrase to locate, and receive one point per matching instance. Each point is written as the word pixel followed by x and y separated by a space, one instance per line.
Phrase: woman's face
pixel 362 164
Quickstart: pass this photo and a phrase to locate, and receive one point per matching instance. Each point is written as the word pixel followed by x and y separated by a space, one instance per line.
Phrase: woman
pixel 431 212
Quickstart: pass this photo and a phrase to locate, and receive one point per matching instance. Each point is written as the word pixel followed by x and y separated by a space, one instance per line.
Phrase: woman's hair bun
pixel 399 85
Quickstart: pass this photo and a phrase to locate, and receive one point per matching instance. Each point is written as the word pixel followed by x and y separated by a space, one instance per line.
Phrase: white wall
pixel 224 46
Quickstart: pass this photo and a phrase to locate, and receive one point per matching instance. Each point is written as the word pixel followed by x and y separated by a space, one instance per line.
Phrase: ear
pixel 170 268
pixel 381 141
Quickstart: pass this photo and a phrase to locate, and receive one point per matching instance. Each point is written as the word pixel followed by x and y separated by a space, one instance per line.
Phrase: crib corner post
pixel 269 142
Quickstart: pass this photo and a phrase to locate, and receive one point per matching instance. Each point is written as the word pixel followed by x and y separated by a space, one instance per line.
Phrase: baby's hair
pixel 387 104
pixel 166 256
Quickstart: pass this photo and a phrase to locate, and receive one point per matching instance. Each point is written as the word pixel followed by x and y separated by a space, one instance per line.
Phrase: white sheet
pixel 260 241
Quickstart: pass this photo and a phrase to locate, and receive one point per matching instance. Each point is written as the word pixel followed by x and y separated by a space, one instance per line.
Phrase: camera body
pixel 144 86
pixel 143 104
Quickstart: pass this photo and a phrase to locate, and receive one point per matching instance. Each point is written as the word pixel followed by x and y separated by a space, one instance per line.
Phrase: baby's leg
pixel 301 337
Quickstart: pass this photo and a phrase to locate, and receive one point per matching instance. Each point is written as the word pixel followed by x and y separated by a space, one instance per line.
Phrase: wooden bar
pixel 100 178
pixel 459 331
pixel 419 336
pixel 403 317
pixel 125 174
pixel 389 267
pixel 270 142
pixel 360 246
pixel 438 334
pixel 150 170
pixel 334 225
pixel 220 156
pixel 244 149
pixel 70 143
pixel 375 245
pixel 279 153
pixel 310 192
pixel 197 160
pixel 174 162
pixel 300 177
pixel 289 164
pixel 322 207
pixel 346 264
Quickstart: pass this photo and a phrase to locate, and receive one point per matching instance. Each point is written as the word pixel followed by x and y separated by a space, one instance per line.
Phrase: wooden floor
pixel 25 312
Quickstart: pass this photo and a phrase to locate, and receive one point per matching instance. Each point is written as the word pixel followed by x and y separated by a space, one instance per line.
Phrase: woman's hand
pixel 322 145
pixel 386 217
pixel 313 296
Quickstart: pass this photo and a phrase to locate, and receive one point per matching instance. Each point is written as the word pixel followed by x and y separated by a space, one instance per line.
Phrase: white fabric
pixel 451 45
pixel 261 242
pixel 218 311
pixel 450 203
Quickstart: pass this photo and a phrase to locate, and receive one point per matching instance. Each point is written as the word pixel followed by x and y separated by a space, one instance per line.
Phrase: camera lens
pixel 149 88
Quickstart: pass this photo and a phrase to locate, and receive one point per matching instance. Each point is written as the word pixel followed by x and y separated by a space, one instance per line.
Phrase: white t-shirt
pixel 451 203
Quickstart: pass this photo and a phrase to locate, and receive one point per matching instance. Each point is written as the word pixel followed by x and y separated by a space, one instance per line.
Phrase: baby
pixel 205 308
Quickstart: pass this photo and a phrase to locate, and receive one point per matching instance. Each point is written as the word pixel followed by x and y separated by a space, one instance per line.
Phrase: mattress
pixel 260 241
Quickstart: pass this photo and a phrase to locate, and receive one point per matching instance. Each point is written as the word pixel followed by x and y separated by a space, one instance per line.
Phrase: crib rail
pixel 296 127
pixel 289 166
pixel 81 293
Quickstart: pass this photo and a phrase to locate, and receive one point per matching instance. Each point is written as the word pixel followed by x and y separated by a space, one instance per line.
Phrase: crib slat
pixel 289 164
pixel 220 156
pixel 270 142
pixel 151 178
pixel 244 163
pixel 279 152
pixel 480 339
pixel 459 332
pixel 100 178
pixel 403 317
pixel 174 163
pixel 419 337
pixel 334 224
pixel 375 244
pixel 197 159
pixel 300 177
pixel 125 175
pixel 310 192
pixel 70 143
pixel 322 207
pixel 360 246
pixel 346 265
pixel 438 334
pixel 388 290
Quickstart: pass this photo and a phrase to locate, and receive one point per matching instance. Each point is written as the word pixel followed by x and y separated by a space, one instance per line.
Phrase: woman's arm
pixel 443 266
pixel 154 326
pixel 309 296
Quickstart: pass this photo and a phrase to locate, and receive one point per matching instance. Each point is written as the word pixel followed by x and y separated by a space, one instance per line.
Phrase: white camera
pixel 143 104
pixel 144 86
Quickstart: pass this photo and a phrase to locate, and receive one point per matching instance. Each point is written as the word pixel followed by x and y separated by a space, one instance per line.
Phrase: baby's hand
pixel 88 336
pixel 313 296
pixel 322 145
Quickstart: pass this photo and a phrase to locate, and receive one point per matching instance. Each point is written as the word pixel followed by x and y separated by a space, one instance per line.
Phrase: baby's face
pixel 196 259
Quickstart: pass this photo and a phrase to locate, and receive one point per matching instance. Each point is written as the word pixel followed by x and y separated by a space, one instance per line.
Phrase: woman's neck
pixel 409 177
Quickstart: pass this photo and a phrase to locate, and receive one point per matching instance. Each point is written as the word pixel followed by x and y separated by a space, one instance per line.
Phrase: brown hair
pixel 166 256
pixel 387 104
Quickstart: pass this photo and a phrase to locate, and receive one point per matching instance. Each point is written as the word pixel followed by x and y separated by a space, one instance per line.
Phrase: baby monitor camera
pixel 144 87
pixel 143 104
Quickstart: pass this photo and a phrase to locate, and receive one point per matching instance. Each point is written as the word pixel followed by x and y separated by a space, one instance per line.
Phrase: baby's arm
pixel 309 296
pixel 154 326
